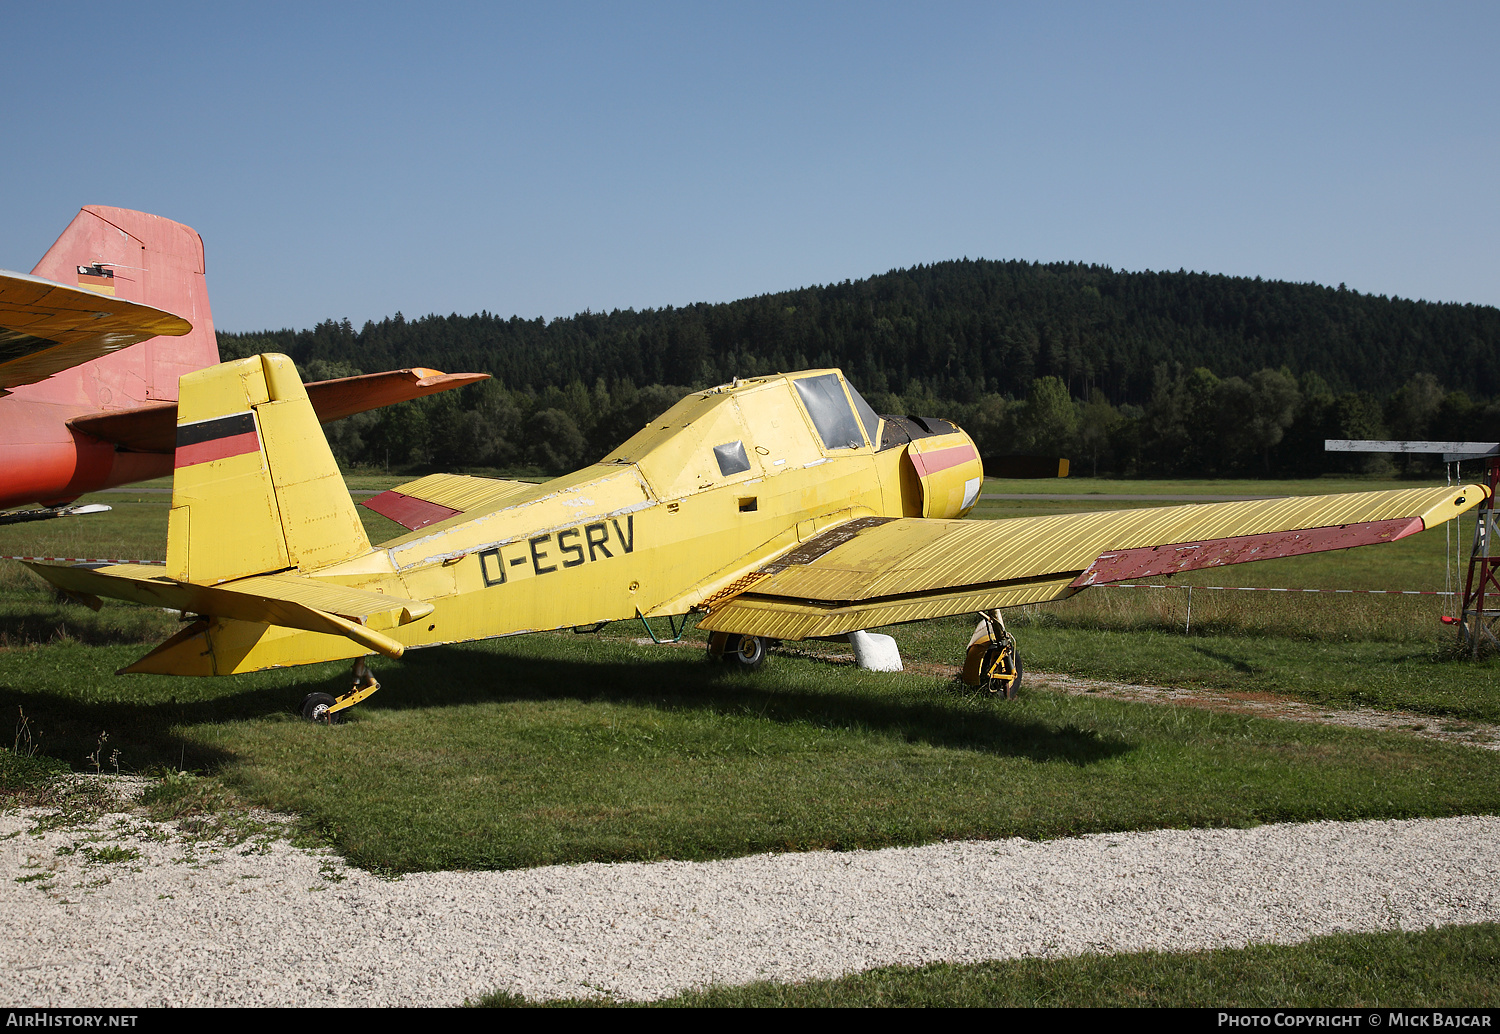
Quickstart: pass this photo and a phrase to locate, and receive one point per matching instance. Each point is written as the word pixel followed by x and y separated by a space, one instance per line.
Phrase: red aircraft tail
pixel 112 420
pixel 141 258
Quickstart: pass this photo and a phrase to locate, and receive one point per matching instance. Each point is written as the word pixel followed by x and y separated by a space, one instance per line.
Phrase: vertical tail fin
pixel 142 258
pixel 255 488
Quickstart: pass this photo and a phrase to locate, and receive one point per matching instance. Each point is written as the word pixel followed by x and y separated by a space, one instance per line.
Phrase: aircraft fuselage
pixel 692 503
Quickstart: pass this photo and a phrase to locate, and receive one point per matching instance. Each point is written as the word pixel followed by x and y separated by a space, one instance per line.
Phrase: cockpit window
pixel 867 416
pixel 829 408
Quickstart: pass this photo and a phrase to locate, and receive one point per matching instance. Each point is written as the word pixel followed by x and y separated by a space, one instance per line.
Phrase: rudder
pixel 255 487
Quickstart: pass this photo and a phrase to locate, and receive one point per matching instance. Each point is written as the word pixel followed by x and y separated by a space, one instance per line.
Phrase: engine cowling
pixel 949 471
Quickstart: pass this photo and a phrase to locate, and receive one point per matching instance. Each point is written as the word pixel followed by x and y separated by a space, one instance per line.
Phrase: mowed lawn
pixel 556 747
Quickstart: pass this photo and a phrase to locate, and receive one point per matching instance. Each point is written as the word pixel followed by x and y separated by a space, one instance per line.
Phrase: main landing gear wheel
pixel 992 663
pixel 1001 670
pixel 316 709
pixel 743 652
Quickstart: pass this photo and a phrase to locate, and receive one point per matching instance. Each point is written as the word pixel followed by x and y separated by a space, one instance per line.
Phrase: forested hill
pixel 955 330
pixel 1132 373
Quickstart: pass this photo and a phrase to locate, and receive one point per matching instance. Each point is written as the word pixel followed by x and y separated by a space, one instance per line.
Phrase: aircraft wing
pixel 877 571
pixel 289 600
pixel 153 428
pixel 47 327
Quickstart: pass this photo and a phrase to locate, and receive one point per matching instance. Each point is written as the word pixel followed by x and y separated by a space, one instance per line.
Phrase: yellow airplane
pixel 776 508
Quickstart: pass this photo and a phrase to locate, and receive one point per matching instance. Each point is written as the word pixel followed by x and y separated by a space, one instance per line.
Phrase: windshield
pixel 829 408
pixel 867 416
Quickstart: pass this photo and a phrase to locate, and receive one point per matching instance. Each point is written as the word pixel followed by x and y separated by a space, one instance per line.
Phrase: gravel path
pixel 168 922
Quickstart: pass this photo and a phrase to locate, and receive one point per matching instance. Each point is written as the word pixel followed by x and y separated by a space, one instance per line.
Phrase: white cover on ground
pixel 875 652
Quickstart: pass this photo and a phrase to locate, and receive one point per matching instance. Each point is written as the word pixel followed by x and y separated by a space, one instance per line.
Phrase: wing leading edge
pixel 47 327
pixel 881 571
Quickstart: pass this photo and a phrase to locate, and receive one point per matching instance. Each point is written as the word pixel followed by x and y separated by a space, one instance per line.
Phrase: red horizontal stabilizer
pixel 1149 561
pixel 149 428
pixel 153 428
pixel 336 399
pixel 409 511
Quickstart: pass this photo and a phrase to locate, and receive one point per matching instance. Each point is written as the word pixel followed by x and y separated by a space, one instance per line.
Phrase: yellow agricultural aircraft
pixel 775 508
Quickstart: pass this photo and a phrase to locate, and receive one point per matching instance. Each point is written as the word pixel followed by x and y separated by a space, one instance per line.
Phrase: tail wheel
pixel 316 709
pixel 746 652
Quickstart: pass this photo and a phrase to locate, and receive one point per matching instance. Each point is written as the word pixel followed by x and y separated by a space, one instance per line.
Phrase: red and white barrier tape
pixel 85 560
pixel 1262 588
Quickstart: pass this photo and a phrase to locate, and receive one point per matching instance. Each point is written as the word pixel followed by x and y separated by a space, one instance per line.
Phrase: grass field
pixel 564 748
pixel 602 747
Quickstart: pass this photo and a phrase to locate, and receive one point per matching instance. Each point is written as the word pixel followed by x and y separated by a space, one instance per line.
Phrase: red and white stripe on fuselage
pixel 950 471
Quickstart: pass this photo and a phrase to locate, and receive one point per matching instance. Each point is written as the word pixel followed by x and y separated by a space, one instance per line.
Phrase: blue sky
pixel 355 160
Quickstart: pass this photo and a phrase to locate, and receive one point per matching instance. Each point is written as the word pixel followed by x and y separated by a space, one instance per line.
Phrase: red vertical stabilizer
pixel 141 258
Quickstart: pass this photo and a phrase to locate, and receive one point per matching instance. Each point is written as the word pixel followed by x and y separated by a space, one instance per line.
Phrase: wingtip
pixel 432 378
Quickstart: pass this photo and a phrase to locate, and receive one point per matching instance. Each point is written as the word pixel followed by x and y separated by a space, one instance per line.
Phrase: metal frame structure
pixel 1479 624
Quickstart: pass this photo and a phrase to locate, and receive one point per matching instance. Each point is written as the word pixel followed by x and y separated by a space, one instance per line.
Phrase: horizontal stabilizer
pixel 153 428
pixel 149 428
pixel 437 497
pixel 281 599
pixel 50 512
pixel 345 396
pixel 881 571
pixel 47 327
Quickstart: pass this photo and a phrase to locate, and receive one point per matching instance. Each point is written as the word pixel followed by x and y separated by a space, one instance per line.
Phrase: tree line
pixel 1126 373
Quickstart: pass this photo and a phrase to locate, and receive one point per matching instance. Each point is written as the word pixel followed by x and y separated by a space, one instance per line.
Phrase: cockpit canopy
pixel 823 394
pixel 750 429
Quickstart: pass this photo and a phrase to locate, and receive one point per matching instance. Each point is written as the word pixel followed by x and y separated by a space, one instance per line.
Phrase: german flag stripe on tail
pixel 96 278
pixel 216 439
